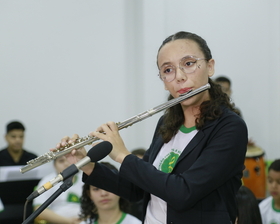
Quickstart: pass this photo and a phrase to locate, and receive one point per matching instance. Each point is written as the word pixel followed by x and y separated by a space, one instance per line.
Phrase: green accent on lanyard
pixel 118 222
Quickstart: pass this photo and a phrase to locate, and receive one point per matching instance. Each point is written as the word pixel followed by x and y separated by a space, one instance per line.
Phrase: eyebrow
pixel 167 63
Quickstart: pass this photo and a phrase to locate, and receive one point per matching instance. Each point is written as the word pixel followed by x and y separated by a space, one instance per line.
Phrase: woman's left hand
pixel 110 132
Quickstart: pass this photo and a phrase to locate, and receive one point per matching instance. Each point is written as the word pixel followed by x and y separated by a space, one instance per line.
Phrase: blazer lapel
pixel 195 141
pixel 190 147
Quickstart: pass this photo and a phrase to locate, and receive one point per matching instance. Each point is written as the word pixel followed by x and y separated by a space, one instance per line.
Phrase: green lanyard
pixel 118 222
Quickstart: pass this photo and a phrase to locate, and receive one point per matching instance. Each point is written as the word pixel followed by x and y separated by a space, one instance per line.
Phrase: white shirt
pixel 125 219
pixel 165 162
pixel 66 204
pixel 269 214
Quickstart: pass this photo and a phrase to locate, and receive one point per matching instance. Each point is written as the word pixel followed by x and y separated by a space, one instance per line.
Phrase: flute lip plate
pixel 186 93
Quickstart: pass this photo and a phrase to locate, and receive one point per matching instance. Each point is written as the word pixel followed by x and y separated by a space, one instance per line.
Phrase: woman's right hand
pixel 76 154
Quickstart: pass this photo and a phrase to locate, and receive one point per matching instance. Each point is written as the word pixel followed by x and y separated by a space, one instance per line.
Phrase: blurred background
pixel 69 66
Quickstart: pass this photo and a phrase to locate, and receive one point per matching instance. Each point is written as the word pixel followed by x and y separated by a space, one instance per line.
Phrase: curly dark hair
pixel 209 110
pixel 88 208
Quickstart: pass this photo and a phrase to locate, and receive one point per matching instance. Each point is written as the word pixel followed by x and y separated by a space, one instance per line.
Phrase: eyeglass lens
pixel 187 65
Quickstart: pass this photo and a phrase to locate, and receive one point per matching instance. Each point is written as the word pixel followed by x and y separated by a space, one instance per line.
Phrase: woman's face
pixel 102 199
pixel 171 54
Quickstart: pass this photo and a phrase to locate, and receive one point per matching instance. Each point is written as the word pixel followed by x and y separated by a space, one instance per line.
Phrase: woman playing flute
pixel 193 167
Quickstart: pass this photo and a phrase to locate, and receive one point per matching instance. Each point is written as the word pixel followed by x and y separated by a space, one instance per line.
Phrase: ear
pixel 211 67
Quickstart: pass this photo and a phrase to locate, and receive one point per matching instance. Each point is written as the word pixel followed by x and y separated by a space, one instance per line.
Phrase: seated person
pixel 225 84
pixel 100 206
pixel 14 154
pixel 270 207
pixel 65 208
pixel 13 192
pixel 248 208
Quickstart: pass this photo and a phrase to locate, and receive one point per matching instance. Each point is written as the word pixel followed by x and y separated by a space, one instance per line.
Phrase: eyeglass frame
pixel 181 68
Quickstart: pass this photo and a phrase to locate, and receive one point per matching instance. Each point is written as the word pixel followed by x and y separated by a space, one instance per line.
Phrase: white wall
pixel 68 66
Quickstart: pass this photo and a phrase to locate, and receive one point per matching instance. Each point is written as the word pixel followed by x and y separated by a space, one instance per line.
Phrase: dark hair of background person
pixel 248 207
pixel 138 152
pixel 223 79
pixel 88 208
pixel 15 125
pixel 209 110
pixel 275 165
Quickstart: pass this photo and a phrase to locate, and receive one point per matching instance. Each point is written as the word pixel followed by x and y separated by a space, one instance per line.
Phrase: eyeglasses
pixel 188 64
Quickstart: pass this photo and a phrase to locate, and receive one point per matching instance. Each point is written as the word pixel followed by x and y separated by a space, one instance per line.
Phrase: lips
pixel 184 90
pixel 105 201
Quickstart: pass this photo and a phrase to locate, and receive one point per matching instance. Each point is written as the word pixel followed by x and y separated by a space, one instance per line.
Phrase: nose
pixel 274 184
pixel 103 192
pixel 180 74
pixel 18 140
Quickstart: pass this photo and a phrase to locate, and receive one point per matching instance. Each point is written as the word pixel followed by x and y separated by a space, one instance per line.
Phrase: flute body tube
pixel 49 156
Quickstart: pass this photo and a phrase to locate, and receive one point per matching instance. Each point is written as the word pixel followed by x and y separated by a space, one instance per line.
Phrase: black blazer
pixel 202 186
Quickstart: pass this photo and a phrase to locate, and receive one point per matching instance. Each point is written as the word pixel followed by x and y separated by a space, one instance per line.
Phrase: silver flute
pixel 80 142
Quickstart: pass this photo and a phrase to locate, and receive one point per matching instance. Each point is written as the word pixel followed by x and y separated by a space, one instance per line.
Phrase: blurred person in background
pixel 66 207
pixel 270 207
pixel 248 208
pixel 102 207
pixel 225 84
pixel 14 154
pixel 14 190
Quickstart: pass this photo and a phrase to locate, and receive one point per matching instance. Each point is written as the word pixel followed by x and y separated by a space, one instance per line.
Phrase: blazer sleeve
pixel 111 181
pixel 218 165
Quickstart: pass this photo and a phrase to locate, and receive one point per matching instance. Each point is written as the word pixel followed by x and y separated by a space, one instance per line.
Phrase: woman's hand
pixel 110 132
pixel 76 154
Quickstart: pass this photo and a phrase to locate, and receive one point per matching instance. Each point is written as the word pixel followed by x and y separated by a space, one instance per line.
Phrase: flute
pixel 87 140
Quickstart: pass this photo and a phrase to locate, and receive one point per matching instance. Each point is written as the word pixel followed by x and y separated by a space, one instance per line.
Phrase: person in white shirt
pixel 65 208
pixel 99 206
pixel 270 207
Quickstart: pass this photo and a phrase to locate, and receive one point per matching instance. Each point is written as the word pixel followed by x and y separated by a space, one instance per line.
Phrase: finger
pixel 101 128
pixel 63 141
pixel 73 139
pixel 104 128
pixel 113 126
pixel 53 149
pixel 73 152
pixel 100 135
